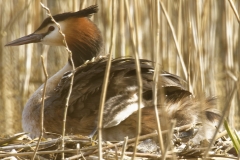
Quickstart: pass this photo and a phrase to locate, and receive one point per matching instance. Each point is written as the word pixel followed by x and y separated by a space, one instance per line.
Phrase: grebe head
pixel 82 35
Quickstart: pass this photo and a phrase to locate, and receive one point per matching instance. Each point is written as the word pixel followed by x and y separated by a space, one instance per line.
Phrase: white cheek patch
pixel 54 38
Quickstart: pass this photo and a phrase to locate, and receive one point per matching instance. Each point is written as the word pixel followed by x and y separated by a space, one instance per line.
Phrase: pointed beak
pixel 31 38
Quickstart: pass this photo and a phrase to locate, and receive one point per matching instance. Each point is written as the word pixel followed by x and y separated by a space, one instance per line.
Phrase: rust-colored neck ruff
pixel 84 39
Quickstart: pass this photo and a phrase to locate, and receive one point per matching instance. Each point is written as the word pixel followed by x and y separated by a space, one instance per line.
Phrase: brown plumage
pixel 85 41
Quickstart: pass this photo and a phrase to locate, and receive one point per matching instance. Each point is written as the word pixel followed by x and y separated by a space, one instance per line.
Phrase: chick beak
pixel 31 38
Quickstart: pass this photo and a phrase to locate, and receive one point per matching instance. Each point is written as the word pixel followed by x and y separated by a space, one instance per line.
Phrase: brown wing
pixel 88 79
pixel 121 98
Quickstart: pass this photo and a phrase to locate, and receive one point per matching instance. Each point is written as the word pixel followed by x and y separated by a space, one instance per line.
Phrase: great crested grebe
pixel 85 41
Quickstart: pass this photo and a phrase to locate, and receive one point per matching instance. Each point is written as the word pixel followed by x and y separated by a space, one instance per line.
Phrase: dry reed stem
pixel 232 76
pixel 197 28
pixel 72 77
pixel 175 39
pixel 156 80
pixel 179 30
pixel 116 149
pixel 78 147
pixel 124 148
pixel 229 58
pixel 234 10
pixel 122 30
pixel 190 38
pixel 42 107
pixel 224 113
pixel 105 83
pixel 219 135
pixel 138 71
pixel 169 143
pixel 137 28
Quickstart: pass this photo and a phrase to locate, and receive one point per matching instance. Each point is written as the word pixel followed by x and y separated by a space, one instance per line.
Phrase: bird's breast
pixel 31 111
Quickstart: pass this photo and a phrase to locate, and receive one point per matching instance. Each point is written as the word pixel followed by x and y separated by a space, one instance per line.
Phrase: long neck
pixel 84 40
pixel 52 82
pixel 31 112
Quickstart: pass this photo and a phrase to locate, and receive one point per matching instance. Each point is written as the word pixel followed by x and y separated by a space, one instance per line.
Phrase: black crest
pixel 87 12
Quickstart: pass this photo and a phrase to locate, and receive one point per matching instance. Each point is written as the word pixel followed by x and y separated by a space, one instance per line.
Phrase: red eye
pixel 51 28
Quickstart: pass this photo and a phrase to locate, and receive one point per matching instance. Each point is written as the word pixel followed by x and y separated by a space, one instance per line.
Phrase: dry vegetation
pixel 207 40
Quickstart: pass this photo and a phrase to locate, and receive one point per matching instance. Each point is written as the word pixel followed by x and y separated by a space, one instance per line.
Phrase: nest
pixel 21 146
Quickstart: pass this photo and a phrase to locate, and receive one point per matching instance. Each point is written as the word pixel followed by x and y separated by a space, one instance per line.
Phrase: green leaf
pixel 233 135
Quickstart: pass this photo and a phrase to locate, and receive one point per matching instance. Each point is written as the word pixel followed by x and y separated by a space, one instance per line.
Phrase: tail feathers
pixel 191 111
pixel 212 114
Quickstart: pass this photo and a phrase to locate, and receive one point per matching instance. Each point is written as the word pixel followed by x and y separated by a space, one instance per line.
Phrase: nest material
pixel 21 146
